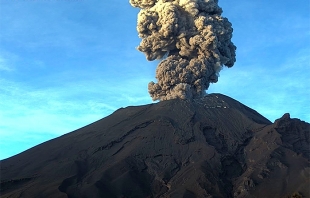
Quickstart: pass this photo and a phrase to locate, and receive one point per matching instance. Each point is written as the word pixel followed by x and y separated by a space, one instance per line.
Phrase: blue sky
pixel 67 63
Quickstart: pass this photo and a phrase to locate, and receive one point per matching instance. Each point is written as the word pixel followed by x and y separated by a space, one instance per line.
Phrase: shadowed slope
pixel 213 146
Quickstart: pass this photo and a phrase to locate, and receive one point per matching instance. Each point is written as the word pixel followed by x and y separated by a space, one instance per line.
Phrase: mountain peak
pixel 209 147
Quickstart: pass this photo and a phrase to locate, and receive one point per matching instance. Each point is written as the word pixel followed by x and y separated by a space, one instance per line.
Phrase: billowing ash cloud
pixel 192 39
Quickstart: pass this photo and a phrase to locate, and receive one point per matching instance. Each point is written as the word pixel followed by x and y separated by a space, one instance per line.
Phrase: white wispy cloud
pixel 5 65
pixel 38 114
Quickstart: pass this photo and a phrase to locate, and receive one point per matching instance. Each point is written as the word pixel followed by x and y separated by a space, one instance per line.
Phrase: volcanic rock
pixel 209 147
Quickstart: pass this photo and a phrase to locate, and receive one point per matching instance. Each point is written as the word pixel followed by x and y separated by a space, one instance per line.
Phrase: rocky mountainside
pixel 211 147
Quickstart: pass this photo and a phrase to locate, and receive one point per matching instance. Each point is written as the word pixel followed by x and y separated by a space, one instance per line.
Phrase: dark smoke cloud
pixel 191 37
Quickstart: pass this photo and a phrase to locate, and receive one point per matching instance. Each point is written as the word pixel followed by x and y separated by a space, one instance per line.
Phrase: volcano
pixel 209 147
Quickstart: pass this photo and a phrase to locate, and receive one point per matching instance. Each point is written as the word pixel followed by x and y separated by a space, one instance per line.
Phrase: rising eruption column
pixel 192 40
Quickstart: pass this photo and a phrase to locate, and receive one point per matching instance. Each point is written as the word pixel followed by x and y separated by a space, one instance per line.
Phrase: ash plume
pixel 192 40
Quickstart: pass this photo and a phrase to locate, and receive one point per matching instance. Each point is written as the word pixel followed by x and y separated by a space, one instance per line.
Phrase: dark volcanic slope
pixel 213 147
